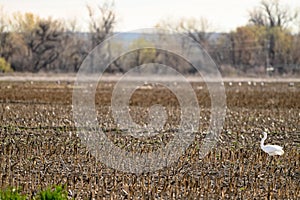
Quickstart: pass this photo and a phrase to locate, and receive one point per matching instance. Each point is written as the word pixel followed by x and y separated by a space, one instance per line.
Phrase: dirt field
pixel 39 146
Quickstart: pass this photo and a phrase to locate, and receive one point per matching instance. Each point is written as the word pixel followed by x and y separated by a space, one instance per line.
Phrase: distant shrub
pixel 11 194
pixel 5 66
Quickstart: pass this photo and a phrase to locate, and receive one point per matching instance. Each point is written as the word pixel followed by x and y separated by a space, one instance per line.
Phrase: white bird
pixel 270 149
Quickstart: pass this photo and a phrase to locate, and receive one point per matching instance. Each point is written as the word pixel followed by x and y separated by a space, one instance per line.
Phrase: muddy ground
pixel 39 145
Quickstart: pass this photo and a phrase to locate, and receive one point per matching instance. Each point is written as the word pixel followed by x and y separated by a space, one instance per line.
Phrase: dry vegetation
pixel 39 146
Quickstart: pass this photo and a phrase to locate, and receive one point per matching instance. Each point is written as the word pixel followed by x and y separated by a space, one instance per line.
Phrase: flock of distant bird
pixel 290 84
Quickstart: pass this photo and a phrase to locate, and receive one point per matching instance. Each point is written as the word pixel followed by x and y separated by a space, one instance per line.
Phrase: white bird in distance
pixel 270 149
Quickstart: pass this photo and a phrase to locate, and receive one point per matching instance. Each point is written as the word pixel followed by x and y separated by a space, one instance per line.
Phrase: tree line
pixel 266 44
pixel 31 43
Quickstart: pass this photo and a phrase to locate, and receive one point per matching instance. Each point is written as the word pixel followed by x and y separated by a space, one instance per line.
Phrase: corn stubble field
pixel 39 146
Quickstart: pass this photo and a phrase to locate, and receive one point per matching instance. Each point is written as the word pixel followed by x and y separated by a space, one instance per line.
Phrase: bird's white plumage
pixel 270 149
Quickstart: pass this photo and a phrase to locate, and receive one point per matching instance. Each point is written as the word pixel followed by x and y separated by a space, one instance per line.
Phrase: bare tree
pixel 199 30
pixel 41 42
pixel 76 47
pixel 102 22
pixel 45 45
pixel 272 15
pixel 101 26
pixel 5 45
pixel 72 25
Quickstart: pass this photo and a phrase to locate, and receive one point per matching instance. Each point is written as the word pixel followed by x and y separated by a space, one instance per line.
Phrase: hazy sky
pixel 135 14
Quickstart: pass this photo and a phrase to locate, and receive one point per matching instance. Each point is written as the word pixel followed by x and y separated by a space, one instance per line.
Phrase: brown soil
pixel 39 146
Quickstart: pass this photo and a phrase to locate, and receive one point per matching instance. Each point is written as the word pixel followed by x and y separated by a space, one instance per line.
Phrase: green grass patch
pixel 50 193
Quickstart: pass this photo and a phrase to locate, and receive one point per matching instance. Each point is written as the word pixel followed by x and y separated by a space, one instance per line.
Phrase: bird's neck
pixel 262 142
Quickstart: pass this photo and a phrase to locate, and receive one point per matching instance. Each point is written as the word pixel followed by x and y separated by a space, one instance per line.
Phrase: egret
pixel 270 149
